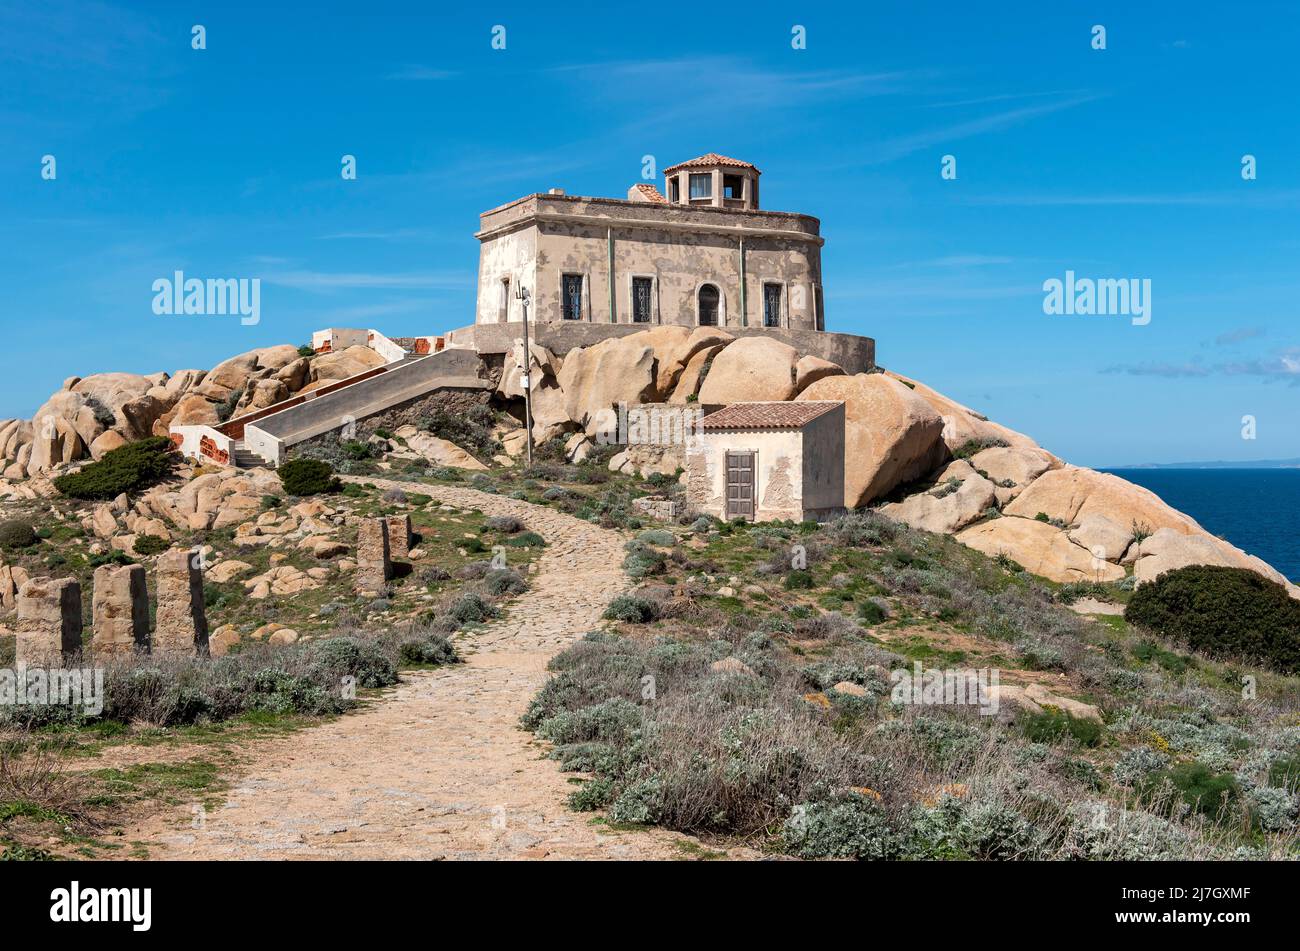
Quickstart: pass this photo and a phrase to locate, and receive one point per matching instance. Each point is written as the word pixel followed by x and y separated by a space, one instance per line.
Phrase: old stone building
pixel 703 254
pixel 768 461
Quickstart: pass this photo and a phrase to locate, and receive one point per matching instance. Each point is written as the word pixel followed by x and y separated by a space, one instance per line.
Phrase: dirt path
pixel 440 767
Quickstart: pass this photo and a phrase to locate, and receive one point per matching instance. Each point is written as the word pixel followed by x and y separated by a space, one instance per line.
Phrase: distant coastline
pixel 1221 464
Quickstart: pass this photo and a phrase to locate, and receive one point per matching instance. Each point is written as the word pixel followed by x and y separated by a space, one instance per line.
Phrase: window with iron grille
pixel 571 297
pixel 771 305
pixel 642 288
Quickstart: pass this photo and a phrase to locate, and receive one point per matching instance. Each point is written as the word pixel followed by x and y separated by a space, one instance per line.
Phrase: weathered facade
pixel 769 461
pixel 704 255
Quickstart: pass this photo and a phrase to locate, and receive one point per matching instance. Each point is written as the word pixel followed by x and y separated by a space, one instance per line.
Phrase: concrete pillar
pixel 399 535
pixel 120 610
pixel 717 188
pixel 181 628
pixel 373 565
pixel 49 621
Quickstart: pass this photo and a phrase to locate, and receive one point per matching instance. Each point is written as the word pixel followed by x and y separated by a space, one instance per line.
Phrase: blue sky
pixel 1122 163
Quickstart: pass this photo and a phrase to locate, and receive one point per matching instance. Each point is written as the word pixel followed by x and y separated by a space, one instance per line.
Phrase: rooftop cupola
pixel 713 180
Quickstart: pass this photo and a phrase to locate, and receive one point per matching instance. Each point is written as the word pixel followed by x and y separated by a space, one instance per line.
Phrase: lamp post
pixel 523 296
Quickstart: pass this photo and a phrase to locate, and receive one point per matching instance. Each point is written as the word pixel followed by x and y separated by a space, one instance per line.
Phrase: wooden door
pixel 740 485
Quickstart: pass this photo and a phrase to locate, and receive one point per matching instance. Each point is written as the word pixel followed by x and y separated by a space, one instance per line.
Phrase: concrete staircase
pixel 245 458
pixel 401 382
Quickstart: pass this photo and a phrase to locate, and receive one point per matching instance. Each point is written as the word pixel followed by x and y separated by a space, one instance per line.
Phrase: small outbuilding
pixel 769 461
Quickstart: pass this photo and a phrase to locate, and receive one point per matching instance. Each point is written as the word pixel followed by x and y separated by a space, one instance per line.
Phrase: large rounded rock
pixel 1070 493
pixel 596 379
pixel 963 426
pixel 752 368
pixel 1042 549
pixel 891 435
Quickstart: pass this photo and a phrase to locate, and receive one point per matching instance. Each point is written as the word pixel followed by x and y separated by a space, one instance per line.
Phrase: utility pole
pixel 523 296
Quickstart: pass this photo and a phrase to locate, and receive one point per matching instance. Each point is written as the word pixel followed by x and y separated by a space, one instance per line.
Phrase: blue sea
pixel 1258 510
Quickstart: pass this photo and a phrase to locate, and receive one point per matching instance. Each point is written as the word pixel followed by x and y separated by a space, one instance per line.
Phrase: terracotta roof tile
pixel 776 415
pixel 652 194
pixel 711 159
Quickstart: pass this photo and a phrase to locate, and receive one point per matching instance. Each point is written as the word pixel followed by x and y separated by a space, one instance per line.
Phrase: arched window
pixel 708 301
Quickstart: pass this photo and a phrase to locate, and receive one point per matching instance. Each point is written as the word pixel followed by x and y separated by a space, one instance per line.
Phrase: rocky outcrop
pixel 891 436
pixel 1039 547
pixel 959 496
pixel 1070 493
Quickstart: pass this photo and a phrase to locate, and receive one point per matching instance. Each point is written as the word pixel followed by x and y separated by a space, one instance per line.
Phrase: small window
pixel 504 309
pixel 675 190
pixel 702 186
pixel 708 300
pixel 733 186
pixel 821 308
pixel 771 305
pixel 642 296
pixel 571 297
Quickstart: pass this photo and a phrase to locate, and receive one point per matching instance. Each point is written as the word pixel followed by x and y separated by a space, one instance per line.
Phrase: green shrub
pixel 151 545
pixel 800 578
pixel 1053 725
pixel 1202 789
pixel 1224 612
pixel 658 536
pixel 128 468
pixel 472 609
pixel 631 608
pixel 308 477
pixel 433 649
pixel 526 540
pixel 16 534
pixel 972 446
pixel 850 827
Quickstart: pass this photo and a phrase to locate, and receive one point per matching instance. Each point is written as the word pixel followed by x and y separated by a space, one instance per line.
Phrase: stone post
pixel 120 610
pixel 182 626
pixel 399 535
pixel 49 621
pixel 373 565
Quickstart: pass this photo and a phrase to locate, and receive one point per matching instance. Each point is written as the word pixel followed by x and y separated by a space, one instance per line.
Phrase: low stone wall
pixel 854 353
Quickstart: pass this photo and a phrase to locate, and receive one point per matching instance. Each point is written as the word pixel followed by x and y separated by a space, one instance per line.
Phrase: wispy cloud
pixel 1282 365
pixel 901 146
pixel 1238 335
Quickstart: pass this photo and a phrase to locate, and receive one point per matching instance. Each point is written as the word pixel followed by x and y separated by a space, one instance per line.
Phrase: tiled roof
pixel 652 194
pixel 778 415
pixel 708 161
